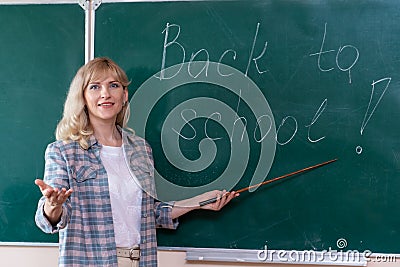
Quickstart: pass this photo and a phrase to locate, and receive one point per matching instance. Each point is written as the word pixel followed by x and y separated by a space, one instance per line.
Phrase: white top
pixel 126 197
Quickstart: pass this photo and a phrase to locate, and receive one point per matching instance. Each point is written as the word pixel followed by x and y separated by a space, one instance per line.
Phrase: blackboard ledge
pixel 333 258
pixel 35 2
pixel 28 244
pixel 329 258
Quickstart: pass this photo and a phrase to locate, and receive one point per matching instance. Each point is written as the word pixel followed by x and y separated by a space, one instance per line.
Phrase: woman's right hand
pixel 54 199
pixel 54 196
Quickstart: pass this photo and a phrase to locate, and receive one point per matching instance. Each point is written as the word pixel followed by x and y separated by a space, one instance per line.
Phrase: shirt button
pixel 144 240
pixel 145 215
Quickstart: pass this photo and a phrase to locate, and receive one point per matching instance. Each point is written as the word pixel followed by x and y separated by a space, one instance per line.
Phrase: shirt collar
pixel 93 141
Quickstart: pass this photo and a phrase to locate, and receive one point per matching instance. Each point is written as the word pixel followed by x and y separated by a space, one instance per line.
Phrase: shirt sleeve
pixel 44 224
pixel 163 215
pixel 55 175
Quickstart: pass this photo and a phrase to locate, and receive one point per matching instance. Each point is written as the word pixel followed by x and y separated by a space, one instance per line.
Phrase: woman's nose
pixel 104 91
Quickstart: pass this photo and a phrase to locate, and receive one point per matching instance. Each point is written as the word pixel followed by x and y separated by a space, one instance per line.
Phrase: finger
pixel 46 189
pixel 221 194
pixel 63 195
pixel 232 195
pixel 65 192
pixel 42 185
pixel 62 191
pixel 56 192
pixel 51 193
pixel 48 192
pixel 220 200
pixel 56 198
pixel 68 193
pixel 226 198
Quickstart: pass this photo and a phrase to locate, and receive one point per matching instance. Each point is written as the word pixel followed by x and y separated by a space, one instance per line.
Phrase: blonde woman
pixel 98 187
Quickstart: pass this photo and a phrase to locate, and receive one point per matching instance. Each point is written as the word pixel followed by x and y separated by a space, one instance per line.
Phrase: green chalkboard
pixel 326 74
pixel 41 47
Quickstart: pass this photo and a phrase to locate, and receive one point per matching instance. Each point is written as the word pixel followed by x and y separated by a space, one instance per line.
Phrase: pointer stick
pixel 212 200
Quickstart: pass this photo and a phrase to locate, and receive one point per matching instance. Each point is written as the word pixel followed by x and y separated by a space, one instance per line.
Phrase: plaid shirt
pixel 86 231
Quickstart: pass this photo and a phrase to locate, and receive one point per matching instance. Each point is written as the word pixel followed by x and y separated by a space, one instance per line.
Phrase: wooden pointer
pixel 212 200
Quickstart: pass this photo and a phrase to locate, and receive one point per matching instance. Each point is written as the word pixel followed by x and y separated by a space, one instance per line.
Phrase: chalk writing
pixel 280 126
pixel 263 125
pixel 187 122
pixel 314 119
pixel 168 44
pixel 338 54
pixel 252 51
pixel 262 129
pixel 367 116
pixel 220 60
pixel 344 59
pixel 352 64
pixel 258 126
pixel 242 119
pixel 218 115
pixel 172 41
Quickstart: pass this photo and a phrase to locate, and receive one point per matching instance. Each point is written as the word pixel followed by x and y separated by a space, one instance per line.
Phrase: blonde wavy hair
pixel 75 124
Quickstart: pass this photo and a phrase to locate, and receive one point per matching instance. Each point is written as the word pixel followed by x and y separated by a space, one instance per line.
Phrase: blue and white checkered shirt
pixel 86 231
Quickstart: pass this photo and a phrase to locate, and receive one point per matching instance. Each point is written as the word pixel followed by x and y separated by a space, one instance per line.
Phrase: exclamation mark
pixel 370 111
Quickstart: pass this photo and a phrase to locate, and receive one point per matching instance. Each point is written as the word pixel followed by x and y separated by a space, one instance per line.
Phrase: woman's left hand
pixel 223 198
pixel 218 200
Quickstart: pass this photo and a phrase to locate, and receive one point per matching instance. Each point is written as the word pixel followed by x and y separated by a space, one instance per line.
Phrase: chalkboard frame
pixel 126 1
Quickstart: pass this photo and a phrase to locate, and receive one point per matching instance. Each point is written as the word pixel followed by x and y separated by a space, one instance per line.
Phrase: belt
pixel 130 253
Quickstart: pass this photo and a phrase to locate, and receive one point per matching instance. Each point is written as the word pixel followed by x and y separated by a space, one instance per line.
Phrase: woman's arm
pixel 54 208
pixel 55 198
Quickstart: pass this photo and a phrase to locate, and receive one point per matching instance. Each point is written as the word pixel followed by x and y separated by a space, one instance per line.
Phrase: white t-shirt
pixel 126 197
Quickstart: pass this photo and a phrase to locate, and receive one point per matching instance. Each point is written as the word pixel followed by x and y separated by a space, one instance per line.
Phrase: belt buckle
pixel 131 251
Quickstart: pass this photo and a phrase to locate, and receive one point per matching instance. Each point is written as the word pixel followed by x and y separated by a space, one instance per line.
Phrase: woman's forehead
pixel 103 74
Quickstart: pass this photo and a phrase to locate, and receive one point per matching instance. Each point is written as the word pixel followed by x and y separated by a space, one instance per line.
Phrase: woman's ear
pixel 126 96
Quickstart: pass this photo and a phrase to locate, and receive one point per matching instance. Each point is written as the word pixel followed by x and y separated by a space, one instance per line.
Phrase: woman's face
pixel 104 99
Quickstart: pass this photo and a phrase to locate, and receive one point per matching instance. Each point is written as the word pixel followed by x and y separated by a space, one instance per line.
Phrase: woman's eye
pixel 94 87
pixel 114 85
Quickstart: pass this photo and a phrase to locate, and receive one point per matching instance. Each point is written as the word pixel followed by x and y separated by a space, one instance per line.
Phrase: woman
pixel 98 187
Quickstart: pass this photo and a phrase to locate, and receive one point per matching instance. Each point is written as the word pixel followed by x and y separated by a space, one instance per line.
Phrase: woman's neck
pixel 108 135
